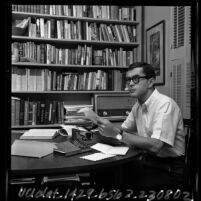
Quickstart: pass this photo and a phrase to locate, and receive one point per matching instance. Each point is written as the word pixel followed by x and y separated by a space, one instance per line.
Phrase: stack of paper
pixel 32 148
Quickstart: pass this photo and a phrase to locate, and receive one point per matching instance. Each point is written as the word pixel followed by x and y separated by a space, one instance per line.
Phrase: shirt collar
pixel 148 102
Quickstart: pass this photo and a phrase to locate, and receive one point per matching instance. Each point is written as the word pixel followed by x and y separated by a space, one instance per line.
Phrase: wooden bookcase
pixel 61 42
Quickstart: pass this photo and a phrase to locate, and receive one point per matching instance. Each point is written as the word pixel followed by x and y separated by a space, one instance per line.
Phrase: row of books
pixel 80 55
pixel 92 11
pixel 81 30
pixel 29 79
pixel 30 112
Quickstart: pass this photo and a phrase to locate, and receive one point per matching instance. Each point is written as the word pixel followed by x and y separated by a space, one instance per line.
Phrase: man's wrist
pixel 119 136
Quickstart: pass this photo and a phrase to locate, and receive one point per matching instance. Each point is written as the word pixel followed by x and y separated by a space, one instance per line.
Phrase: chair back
pixel 188 131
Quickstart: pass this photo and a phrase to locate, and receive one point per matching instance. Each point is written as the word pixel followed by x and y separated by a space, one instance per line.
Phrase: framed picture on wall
pixel 155 50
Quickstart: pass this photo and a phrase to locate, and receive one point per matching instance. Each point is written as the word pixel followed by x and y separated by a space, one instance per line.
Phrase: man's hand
pixel 106 128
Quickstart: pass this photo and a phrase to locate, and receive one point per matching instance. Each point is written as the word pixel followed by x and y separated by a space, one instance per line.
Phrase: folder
pixel 31 148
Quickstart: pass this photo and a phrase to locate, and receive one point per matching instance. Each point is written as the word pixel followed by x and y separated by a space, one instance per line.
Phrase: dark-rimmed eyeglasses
pixel 135 79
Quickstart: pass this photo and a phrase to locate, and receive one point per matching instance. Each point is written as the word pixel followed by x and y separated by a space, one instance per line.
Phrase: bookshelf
pixel 65 54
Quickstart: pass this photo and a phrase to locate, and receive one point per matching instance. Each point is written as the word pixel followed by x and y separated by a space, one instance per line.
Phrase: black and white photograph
pixel 102 101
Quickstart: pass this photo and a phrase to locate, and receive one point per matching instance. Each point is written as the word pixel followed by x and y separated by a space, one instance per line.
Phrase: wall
pixel 153 15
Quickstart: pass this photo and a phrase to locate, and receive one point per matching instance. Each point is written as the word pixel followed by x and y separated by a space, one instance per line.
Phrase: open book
pixel 39 134
pixel 49 133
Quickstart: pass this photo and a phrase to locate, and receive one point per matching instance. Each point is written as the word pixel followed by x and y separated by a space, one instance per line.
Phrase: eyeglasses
pixel 135 79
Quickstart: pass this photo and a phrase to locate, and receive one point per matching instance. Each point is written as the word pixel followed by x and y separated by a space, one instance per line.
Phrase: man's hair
pixel 148 69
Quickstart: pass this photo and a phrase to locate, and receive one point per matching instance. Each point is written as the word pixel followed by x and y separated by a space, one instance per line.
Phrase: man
pixel 155 126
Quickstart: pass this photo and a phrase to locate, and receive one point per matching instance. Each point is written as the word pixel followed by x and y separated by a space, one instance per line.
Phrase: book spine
pixel 47 108
pixel 59 112
pixel 17 111
pixel 13 113
pixel 54 112
pixel 30 113
pixel 42 112
pixel 26 106
pixel 21 120
pixel 37 112
pixel 110 82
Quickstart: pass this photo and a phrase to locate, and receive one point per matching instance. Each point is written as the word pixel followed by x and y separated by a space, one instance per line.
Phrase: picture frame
pixel 155 50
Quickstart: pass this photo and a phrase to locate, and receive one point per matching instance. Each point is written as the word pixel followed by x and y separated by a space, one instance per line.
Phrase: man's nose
pixel 131 83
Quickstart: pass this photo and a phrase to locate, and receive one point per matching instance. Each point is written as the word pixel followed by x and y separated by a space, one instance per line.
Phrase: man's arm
pixel 107 129
pixel 149 144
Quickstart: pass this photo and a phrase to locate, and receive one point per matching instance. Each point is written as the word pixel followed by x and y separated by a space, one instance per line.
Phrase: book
pixel 13 110
pixel 40 134
pixel 30 113
pixel 114 11
pixel 65 147
pixel 117 78
pixel 47 111
pixel 21 120
pixel 17 111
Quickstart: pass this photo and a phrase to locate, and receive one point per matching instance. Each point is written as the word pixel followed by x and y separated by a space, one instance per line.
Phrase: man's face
pixel 140 89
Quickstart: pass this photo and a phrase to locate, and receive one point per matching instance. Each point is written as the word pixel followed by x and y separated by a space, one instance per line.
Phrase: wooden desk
pixel 58 164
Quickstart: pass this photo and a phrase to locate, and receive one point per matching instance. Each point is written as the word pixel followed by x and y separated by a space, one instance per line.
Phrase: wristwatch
pixel 119 136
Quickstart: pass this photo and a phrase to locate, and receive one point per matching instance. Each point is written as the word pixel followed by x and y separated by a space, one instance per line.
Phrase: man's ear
pixel 151 82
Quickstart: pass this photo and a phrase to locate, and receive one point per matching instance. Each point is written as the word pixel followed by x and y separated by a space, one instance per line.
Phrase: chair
pixel 188 148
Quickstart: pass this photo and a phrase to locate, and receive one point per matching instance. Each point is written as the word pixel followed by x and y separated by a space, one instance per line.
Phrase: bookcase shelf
pixel 65 66
pixel 24 127
pixel 67 92
pixel 47 16
pixel 116 41
pixel 75 41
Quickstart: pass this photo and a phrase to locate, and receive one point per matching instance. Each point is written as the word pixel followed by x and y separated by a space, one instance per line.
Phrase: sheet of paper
pixel 69 128
pixel 23 24
pixel 107 149
pixel 97 156
pixel 32 148
pixel 90 114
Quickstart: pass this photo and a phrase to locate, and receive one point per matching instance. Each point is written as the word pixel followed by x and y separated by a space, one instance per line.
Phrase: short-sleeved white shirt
pixel 160 118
